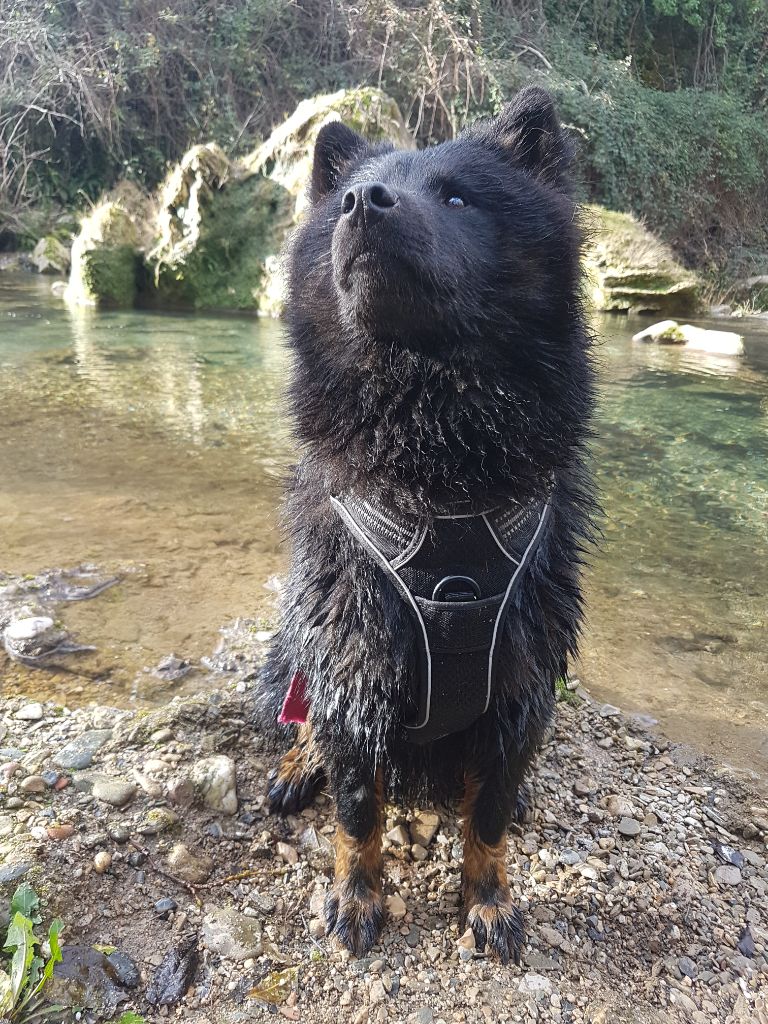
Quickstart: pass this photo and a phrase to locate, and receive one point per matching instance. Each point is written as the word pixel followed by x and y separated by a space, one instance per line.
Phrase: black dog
pixel 441 392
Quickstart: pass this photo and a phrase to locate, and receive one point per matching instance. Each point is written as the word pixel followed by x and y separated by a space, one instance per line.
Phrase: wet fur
pixel 466 375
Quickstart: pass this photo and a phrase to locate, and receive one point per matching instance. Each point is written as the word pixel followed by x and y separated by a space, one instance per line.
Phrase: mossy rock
pixel 50 256
pixel 630 270
pixel 286 156
pixel 226 265
pixel 104 259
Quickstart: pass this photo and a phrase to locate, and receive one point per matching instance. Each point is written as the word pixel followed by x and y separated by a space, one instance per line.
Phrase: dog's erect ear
pixel 335 148
pixel 528 133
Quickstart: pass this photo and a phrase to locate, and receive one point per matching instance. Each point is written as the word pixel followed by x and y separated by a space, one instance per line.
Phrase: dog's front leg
pixel 353 907
pixel 488 908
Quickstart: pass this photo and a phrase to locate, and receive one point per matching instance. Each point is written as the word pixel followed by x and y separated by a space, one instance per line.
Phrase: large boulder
pixel 222 223
pixel 104 258
pixel 630 271
pixel 217 229
pixel 212 236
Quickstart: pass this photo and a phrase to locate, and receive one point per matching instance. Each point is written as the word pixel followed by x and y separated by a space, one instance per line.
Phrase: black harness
pixel 458 575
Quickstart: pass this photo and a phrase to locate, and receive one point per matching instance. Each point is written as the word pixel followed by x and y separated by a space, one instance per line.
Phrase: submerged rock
pixel 670 332
pixel 35 640
pixel 104 259
pixel 631 271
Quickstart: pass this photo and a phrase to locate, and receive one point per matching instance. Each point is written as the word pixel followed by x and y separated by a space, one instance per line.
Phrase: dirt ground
pixel 641 874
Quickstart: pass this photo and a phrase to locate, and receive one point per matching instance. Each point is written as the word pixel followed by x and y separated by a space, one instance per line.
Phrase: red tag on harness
pixel 295 706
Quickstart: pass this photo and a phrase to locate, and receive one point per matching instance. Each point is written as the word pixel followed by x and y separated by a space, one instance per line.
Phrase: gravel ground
pixel 642 875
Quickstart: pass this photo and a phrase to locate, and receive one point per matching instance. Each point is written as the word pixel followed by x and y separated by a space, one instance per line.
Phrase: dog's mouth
pixel 364 266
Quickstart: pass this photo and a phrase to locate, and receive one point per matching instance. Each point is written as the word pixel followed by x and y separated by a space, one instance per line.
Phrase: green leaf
pixel 53 941
pixel 21 942
pixel 129 1017
pixel 26 901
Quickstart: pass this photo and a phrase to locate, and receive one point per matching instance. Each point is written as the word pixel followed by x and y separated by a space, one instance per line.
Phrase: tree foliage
pixel 668 97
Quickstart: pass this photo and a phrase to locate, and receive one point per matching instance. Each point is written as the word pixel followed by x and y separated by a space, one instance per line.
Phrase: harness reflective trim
pixel 458 637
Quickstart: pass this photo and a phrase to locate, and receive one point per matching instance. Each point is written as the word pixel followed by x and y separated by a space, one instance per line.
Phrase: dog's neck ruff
pixel 458 575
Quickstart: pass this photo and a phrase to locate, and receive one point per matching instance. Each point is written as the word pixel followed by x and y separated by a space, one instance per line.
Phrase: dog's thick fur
pixel 441 356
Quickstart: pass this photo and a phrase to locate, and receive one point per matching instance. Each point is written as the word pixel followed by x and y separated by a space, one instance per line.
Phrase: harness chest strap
pixel 458 575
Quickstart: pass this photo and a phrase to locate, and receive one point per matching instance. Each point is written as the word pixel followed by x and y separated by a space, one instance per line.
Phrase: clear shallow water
pixel 153 446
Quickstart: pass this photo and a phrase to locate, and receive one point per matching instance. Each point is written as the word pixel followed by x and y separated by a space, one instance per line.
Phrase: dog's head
pixel 457 247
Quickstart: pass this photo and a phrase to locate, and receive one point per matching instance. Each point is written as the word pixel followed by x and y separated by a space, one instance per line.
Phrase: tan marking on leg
pixel 484 865
pixel 302 759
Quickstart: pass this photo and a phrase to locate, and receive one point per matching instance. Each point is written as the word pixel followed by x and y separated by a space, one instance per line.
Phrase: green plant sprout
pixel 24 973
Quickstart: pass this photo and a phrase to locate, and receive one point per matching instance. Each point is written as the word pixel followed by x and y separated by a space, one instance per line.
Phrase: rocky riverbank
pixel 642 874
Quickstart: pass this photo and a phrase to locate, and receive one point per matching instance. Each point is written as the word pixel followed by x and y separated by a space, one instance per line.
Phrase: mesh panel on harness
pixel 458 575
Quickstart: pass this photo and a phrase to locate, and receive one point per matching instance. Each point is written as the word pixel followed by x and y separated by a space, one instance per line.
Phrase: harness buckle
pixel 456 588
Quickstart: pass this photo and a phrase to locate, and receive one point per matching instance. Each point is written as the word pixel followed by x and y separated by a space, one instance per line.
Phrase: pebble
pixel 230 934
pixel 316 928
pixel 727 874
pixel 687 966
pixel 59 832
pixel 102 862
pixel 158 820
pixel 115 792
pixel 12 872
pixel 377 993
pixel 181 790
pixel 149 786
pixel 79 753
pixel 194 868
pixel 33 784
pixel 215 780
pixel 125 968
pixel 30 712
pixel 398 836
pixel 609 711
pixel 535 985
pixel 423 1015
pixel 424 828
pixel 418 852
pixel 288 853
pixel 585 786
pixel 628 827
pixel 396 907
pixel 165 907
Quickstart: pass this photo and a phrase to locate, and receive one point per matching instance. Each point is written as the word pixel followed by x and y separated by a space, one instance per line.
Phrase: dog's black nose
pixel 369 202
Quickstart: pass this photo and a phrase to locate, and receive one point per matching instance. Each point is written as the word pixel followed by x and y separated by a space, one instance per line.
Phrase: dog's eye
pixel 456 201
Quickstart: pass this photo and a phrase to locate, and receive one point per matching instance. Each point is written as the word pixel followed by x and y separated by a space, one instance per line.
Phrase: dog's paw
pixel 352 919
pixel 499 927
pixel 290 793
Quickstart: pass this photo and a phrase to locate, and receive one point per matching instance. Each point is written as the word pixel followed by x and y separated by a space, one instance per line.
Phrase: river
pixel 152 447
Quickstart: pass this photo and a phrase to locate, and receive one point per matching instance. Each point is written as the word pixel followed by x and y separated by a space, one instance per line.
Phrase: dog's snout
pixel 368 203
